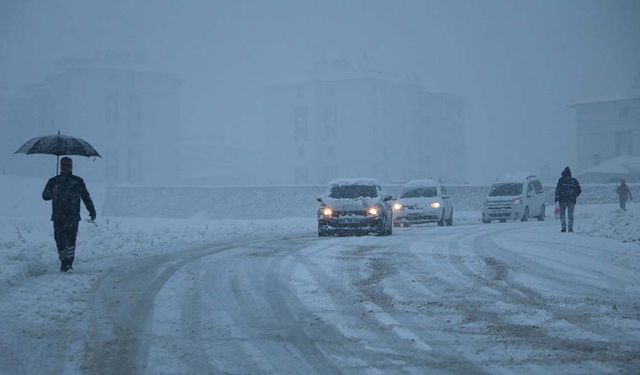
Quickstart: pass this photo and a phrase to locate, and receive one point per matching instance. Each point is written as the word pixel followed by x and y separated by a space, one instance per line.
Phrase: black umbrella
pixel 58 144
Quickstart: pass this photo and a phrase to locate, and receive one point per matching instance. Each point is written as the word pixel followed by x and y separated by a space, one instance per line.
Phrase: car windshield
pixel 431 191
pixel 353 191
pixel 505 190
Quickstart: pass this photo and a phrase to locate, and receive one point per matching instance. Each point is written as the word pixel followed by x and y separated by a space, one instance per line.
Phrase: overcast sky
pixel 518 63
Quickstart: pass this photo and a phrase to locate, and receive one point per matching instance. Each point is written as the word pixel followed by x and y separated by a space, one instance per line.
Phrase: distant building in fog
pixel 131 116
pixel 16 127
pixel 214 162
pixel 322 129
pixel 608 128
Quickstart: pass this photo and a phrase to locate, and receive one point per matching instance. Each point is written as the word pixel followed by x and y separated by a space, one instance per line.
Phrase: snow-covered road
pixel 499 298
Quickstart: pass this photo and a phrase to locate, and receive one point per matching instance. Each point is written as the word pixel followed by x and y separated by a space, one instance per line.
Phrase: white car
pixel 355 206
pixel 514 198
pixel 423 201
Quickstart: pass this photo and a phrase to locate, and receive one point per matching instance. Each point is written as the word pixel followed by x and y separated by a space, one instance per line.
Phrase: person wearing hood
pixel 624 194
pixel 567 191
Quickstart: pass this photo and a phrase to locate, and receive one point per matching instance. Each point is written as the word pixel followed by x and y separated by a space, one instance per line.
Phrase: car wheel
pixel 503 220
pixel 396 224
pixel 450 219
pixel 441 221
pixel 543 213
pixel 382 230
pixel 390 230
pixel 525 216
pixel 323 233
pixel 486 221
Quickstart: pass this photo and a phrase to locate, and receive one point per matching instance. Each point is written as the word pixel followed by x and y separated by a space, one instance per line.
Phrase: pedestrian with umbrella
pixel 65 191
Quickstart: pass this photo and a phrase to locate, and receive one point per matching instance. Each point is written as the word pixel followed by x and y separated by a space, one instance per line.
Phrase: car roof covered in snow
pixel 425 182
pixel 355 181
pixel 515 177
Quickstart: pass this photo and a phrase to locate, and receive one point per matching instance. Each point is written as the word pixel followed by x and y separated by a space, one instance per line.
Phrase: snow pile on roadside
pixel 28 248
pixel 609 221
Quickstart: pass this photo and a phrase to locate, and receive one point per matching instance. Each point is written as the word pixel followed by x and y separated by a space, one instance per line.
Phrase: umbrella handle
pixel 58 158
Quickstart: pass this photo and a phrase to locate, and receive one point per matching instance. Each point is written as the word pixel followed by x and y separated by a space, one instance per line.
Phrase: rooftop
pixel 620 165
pixel 631 94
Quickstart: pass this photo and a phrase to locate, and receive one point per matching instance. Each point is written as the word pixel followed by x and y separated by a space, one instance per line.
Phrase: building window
pixel 624 112
pixel 330 121
pixel 330 151
pixel 597 159
pixel 623 143
pixel 301 175
pixel 111 108
pixel 133 109
pixel 300 93
pixel 301 123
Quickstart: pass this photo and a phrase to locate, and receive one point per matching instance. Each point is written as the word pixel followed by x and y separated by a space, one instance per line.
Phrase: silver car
pixel 423 201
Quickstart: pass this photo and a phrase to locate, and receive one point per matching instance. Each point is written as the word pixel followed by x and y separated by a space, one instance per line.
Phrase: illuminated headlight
pixel 517 201
pixel 373 211
pixel 328 212
pixel 397 206
pixel 435 205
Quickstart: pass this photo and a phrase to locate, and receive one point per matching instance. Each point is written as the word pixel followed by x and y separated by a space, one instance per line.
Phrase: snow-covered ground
pixel 28 249
pixel 609 221
pixel 521 281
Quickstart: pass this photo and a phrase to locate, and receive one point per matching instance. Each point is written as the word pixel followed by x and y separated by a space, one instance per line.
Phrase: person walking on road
pixel 567 191
pixel 624 194
pixel 65 192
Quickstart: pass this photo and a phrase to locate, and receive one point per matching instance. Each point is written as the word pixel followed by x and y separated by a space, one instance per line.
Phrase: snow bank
pixel 243 202
pixel 275 202
pixel 20 197
pixel 608 220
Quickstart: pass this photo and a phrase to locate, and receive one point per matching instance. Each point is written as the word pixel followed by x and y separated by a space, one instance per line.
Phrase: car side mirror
pixel 319 199
pixel 388 198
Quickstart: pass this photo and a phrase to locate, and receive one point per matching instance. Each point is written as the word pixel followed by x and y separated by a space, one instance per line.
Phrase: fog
pixel 515 67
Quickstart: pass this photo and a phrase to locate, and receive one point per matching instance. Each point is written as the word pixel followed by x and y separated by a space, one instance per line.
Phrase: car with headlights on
pixel 514 197
pixel 423 201
pixel 355 206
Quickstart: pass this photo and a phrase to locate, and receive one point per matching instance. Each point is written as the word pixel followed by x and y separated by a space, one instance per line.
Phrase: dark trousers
pixel 566 209
pixel 623 203
pixel 65 233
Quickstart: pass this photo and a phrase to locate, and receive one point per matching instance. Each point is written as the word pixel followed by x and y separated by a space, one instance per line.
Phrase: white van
pixel 517 197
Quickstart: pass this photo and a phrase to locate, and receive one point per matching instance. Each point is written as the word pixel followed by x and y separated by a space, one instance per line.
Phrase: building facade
pixel 323 129
pixel 17 120
pixel 607 128
pixel 131 116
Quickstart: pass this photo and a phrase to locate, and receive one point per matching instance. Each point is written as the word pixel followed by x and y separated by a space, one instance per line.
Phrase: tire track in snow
pixel 122 304
pixel 566 349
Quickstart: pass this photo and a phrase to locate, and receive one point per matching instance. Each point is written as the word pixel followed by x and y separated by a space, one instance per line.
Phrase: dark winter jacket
pixel 568 189
pixel 65 193
pixel 624 192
